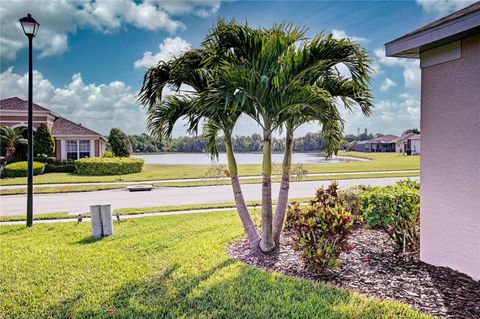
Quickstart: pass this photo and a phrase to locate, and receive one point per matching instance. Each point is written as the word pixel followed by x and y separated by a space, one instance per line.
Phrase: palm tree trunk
pixel 284 188
pixel 247 222
pixel 267 244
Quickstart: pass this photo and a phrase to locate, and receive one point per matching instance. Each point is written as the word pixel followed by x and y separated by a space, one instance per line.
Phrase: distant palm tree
pixel 10 138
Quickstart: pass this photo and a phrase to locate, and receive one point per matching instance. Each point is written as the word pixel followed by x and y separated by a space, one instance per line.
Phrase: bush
pixel 320 229
pixel 61 168
pixel 20 169
pixel 43 142
pixel 108 154
pixel 108 166
pixel 121 145
pixel 350 198
pixel 396 209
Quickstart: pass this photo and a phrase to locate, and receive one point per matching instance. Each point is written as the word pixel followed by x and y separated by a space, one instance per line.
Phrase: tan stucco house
pixel 72 140
pixel 449 53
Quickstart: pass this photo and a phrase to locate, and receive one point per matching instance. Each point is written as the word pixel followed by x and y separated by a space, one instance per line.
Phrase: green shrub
pixel 108 166
pixel 350 198
pixel 60 168
pixel 108 154
pixel 20 169
pixel 320 229
pixel 396 209
pixel 43 142
pixel 121 145
pixel 409 183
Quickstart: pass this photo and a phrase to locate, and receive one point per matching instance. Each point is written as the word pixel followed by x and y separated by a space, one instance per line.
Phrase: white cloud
pixel 98 107
pixel 168 49
pixel 443 7
pixel 60 18
pixel 387 84
pixel 341 34
pixel 411 68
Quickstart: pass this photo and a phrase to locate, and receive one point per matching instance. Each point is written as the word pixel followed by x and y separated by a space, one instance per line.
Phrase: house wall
pixel 415 146
pixel 450 162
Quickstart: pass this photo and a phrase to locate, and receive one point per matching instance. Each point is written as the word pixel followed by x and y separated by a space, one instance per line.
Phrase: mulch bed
pixel 373 267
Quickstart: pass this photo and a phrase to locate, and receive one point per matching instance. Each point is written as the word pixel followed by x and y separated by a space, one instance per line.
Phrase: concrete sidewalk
pixel 163 196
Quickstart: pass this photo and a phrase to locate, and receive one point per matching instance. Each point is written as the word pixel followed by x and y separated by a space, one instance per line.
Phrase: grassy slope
pixel 170 267
pixel 378 162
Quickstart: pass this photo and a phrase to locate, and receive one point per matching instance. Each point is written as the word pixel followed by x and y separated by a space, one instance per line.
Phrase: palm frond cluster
pixel 277 76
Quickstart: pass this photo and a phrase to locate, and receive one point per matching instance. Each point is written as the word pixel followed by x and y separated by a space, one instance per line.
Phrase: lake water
pixel 242 158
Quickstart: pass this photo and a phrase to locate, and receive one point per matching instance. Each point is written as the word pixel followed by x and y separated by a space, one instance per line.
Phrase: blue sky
pixel 90 56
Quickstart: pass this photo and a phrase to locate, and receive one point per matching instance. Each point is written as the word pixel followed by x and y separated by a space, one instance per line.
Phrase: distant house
pixel 384 143
pixel 72 140
pixel 408 143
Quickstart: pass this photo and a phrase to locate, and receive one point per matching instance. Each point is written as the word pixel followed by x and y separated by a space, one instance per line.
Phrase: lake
pixel 242 158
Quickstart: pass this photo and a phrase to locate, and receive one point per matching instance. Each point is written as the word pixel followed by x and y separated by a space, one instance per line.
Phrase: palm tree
pixel 200 105
pixel 10 138
pixel 276 71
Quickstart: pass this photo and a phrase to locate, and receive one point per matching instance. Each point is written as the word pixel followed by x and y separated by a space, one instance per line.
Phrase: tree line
pixel 310 142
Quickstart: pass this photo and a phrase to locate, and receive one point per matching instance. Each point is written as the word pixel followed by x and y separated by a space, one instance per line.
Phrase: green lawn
pixel 168 267
pixel 378 162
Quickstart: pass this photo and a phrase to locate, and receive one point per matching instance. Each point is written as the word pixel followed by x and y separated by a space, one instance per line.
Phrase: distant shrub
pixel 43 142
pixel 108 166
pixel 121 145
pixel 320 229
pixel 108 154
pixel 20 169
pixel 396 209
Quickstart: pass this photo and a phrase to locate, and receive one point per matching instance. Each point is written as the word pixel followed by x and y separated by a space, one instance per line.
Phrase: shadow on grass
pixel 229 290
pixel 90 240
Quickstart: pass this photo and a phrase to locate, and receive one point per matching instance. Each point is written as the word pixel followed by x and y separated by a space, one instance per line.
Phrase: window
pixel 78 149
pixel 72 150
pixel 83 149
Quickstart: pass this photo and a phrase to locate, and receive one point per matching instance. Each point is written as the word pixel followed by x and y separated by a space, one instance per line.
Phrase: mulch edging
pixel 372 267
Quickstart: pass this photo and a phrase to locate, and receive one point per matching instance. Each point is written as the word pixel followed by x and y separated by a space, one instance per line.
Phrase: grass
pixel 169 267
pixel 377 162
pixel 61 189
pixel 59 215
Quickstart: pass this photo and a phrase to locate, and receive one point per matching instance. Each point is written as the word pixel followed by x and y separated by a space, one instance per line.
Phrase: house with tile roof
pixel 72 140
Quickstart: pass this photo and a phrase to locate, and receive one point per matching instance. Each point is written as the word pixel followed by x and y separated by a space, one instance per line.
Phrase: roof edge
pixel 436 33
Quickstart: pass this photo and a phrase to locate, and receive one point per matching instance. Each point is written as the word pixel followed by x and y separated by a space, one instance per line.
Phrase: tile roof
pixel 17 104
pixel 61 126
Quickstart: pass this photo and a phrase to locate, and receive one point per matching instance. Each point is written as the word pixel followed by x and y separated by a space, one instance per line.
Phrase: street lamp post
pixel 30 28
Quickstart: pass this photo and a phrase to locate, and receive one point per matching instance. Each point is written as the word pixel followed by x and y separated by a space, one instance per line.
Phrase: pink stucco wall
pixel 450 162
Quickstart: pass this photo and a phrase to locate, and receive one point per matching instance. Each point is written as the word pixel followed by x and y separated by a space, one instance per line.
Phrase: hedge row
pixel 63 168
pixel 20 169
pixel 108 166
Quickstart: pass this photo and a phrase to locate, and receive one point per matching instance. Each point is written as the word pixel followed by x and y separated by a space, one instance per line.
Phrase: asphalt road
pixel 162 196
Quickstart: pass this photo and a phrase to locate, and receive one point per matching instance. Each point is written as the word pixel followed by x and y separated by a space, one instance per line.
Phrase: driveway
pixel 161 196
